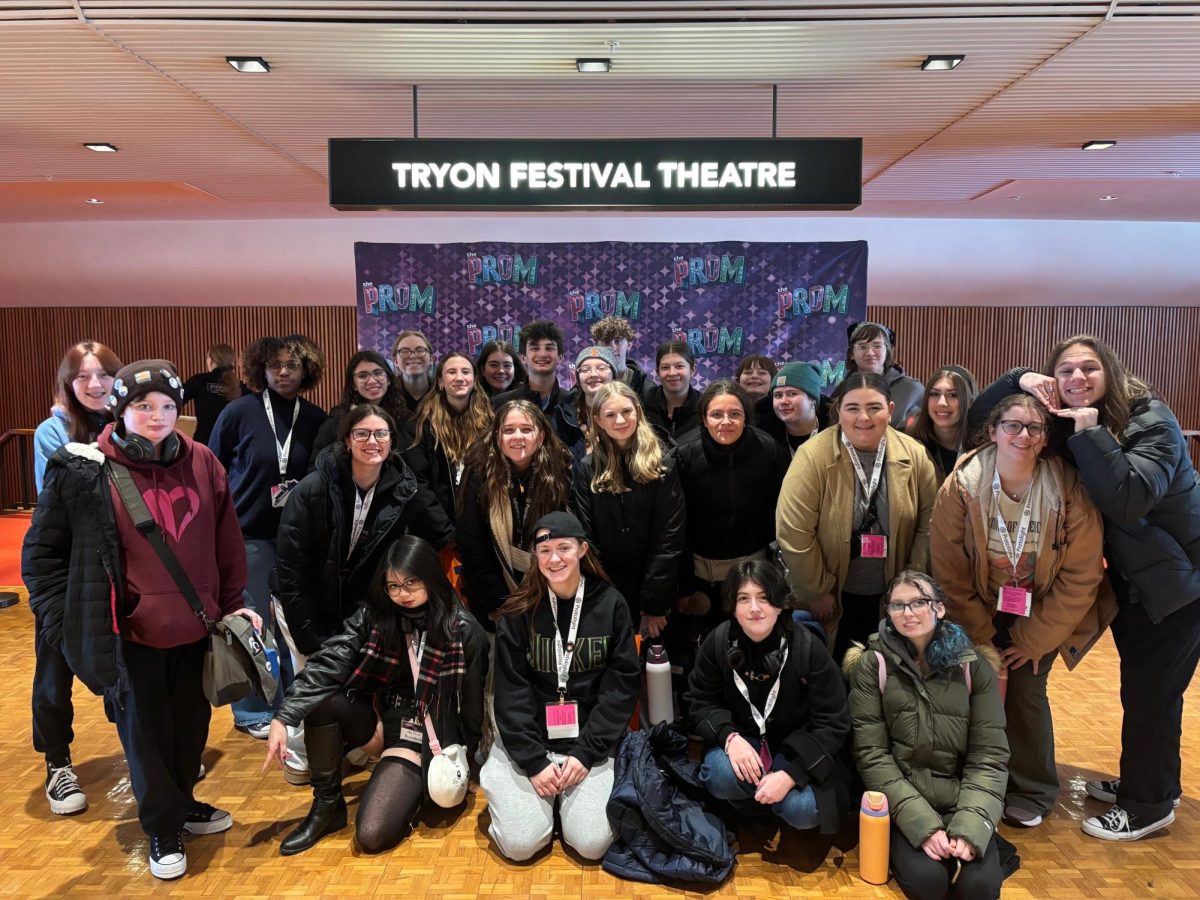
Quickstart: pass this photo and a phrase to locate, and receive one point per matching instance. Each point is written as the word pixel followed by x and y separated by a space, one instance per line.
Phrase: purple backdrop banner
pixel 788 301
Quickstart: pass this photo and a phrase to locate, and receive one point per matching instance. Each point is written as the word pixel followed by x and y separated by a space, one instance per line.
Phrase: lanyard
pixel 362 506
pixel 1013 553
pixel 760 718
pixel 284 450
pixel 563 656
pixel 414 656
pixel 869 487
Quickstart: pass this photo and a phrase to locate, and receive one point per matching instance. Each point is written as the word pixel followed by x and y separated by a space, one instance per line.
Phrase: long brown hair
pixel 922 428
pixel 452 431
pixel 534 588
pixel 550 478
pixel 1121 389
pixel 78 415
pixel 984 436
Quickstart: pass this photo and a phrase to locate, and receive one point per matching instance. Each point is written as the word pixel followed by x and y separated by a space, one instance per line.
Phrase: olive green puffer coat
pixel 937 750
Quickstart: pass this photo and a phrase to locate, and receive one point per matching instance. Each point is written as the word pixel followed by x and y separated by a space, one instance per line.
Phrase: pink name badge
pixel 1015 600
pixel 874 546
pixel 562 720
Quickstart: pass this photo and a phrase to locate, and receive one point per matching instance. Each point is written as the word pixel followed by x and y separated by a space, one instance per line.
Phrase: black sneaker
pixel 63 791
pixel 167 858
pixel 204 818
pixel 1107 791
pixel 1118 825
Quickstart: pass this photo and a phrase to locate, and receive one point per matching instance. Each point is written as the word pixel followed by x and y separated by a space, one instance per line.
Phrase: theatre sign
pixel 434 174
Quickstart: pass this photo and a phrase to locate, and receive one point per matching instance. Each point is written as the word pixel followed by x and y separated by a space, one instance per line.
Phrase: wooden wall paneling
pixel 987 340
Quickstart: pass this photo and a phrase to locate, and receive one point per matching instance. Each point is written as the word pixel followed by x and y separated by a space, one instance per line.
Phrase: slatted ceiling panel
pixel 164 131
pixel 1133 80
pixel 539 109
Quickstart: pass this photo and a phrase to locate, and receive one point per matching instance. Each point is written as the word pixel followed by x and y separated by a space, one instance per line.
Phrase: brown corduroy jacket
pixel 1072 601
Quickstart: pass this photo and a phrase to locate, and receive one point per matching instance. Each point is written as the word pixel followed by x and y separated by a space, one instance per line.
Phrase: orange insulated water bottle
pixel 874 836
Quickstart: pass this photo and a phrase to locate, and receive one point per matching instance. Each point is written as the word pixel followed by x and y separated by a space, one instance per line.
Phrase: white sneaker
pixel 1118 825
pixel 167 859
pixel 1021 817
pixel 63 791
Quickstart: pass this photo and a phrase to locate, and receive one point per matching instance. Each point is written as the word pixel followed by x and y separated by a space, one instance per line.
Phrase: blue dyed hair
pixel 949 642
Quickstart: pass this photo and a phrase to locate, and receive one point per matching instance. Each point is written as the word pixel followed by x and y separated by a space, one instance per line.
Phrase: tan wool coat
pixel 1072 602
pixel 814 518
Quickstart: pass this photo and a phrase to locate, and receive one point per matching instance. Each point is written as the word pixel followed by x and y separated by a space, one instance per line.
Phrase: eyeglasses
pixel 285 367
pixel 735 416
pixel 407 586
pixel 373 375
pixel 420 353
pixel 919 605
pixel 863 346
pixel 1014 427
pixel 362 435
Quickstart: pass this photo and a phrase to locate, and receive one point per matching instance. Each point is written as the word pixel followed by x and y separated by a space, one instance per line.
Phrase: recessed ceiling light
pixel 102 148
pixel 248 63
pixel 941 63
pixel 1109 197
pixel 1098 145
pixel 592 66
pixel 95 201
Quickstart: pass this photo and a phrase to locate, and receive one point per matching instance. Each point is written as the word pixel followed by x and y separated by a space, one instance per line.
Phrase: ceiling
pixel 998 137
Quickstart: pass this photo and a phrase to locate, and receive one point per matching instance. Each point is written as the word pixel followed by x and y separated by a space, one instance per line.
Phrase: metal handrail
pixel 24 437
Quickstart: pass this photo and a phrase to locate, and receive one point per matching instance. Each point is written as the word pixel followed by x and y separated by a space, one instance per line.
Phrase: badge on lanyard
pixel 760 718
pixel 871 546
pixel 562 716
pixel 281 491
pixel 1012 597
pixel 411 731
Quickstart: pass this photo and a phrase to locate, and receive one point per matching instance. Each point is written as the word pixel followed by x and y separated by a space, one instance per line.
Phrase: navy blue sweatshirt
pixel 243 442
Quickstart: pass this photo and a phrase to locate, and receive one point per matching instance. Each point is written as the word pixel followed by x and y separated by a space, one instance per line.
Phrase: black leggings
pixel 922 878
pixel 394 793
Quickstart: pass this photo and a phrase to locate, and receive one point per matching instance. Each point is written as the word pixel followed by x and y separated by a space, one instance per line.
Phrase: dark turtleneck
pixel 755 669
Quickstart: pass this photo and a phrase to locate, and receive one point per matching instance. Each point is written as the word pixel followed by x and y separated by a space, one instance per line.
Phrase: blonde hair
pixel 452 431
pixel 644 458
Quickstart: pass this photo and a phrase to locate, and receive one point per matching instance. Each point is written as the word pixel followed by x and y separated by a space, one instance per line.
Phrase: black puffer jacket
pixel 810 724
pixel 74 602
pixel 1145 488
pixel 663 833
pixel 730 493
pixel 638 534
pixel 686 422
pixel 313 580
pixel 457 720
pixel 432 467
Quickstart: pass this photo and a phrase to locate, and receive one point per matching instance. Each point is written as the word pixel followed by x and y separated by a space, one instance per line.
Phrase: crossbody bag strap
pixel 144 522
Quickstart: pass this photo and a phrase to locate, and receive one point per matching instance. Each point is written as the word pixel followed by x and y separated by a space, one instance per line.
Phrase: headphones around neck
pixel 772 662
pixel 137 449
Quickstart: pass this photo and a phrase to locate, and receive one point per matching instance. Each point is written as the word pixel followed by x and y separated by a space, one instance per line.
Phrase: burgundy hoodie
pixel 189 499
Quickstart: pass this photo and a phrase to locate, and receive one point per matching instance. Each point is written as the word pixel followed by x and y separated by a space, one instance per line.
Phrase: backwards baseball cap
pixel 804 376
pixel 560 525
pixel 597 353
pixel 140 378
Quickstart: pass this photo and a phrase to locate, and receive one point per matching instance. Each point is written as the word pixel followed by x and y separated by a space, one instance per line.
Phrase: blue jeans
pixel 798 807
pixel 260 561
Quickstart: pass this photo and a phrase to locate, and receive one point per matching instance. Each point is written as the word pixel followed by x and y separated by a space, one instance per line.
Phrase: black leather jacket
pixel 457 720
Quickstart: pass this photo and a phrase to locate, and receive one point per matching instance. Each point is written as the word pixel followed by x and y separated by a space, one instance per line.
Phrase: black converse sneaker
pixel 1107 791
pixel 63 791
pixel 203 818
pixel 1118 825
pixel 167 859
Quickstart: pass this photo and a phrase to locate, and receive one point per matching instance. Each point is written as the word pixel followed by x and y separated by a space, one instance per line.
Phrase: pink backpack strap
pixel 882 672
pixel 967 674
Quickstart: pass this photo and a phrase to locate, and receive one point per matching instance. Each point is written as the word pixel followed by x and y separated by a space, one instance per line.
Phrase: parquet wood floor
pixel 102 852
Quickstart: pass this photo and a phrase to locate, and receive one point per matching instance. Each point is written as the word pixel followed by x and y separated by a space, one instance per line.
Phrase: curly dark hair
pixel 266 350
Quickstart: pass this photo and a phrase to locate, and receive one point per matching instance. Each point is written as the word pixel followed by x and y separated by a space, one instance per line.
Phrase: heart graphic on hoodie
pixel 162 506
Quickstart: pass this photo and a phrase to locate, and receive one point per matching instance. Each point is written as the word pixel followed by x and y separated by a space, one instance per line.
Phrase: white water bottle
pixel 659 690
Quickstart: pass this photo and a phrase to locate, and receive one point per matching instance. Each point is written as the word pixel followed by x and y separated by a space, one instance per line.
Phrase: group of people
pixel 865 589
